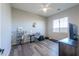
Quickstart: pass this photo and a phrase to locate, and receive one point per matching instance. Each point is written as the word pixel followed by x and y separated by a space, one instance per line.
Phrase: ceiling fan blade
pixel 47 5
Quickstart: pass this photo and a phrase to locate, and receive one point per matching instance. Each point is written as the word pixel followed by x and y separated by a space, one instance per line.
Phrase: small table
pixel 31 38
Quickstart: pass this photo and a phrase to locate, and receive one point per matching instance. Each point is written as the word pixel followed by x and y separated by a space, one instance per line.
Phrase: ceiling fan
pixel 45 7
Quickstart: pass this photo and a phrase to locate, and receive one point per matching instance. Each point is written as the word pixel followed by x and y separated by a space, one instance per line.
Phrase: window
pixel 60 25
pixel 56 25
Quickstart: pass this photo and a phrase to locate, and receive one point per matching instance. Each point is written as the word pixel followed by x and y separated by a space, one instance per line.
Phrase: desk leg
pixel 30 39
pixel 59 49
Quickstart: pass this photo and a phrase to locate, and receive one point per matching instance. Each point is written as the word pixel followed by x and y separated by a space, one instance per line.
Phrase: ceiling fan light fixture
pixel 45 9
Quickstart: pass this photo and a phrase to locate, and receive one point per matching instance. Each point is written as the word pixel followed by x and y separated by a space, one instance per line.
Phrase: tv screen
pixel 73 31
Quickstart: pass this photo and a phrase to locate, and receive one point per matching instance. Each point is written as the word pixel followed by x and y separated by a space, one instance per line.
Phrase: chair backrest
pixel 37 35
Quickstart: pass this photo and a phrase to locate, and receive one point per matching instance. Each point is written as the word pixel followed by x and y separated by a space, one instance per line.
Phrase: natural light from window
pixel 60 25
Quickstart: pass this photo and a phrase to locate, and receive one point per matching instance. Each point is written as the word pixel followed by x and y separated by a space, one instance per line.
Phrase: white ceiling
pixel 35 7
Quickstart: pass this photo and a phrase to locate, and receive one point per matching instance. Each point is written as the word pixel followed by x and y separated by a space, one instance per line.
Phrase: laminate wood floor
pixel 41 48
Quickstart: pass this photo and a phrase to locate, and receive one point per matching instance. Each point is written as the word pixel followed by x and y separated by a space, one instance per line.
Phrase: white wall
pixel 72 13
pixel 26 19
pixel 0 25
pixel 5 28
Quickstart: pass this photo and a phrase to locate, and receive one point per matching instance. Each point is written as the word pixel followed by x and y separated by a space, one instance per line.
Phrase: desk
pixel 67 47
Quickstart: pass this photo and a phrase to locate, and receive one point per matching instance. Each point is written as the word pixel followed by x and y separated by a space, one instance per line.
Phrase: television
pixel 73 31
